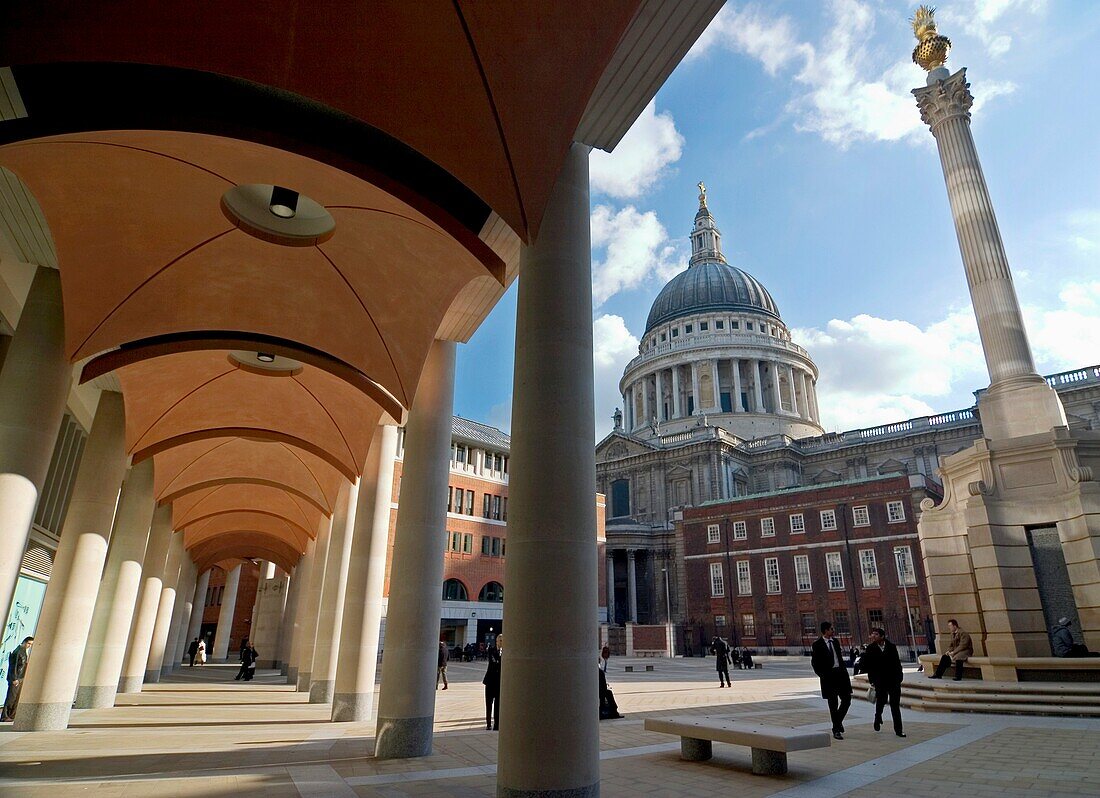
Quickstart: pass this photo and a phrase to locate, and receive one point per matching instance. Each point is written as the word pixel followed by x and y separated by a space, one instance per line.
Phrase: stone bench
pixel 1022 669
pixel 770 744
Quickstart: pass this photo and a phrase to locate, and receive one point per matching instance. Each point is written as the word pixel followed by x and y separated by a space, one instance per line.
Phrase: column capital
pixel 944 99
pixel 630 553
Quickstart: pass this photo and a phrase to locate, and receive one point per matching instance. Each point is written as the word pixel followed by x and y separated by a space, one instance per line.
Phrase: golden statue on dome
pixel 702 194
pixel 932 49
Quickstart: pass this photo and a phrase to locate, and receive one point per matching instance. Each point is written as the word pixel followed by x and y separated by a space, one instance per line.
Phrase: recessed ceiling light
pixel 284 202
pixel 264 357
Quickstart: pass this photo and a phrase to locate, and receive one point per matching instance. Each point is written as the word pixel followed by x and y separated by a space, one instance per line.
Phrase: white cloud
pixel 1067 337
pixel 613 347
pixel 748 30
pixel 642 157
pixel 635 246
pixel 992 22
pixel 1084 229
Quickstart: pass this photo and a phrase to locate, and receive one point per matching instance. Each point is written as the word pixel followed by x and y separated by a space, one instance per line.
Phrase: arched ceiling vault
pixel 209 502
pixel 218 552
pixel 236 523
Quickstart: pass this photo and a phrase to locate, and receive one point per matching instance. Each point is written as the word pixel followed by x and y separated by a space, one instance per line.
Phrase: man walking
pixel 441 666
pixel 959 652
pixel 721 651
pixel 192 651
pixel 883 667
pixel 836 688
pixel 17 669
pixel 245 654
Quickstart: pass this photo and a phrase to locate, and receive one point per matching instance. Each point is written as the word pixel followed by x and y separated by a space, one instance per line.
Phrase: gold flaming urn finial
pixel 932 49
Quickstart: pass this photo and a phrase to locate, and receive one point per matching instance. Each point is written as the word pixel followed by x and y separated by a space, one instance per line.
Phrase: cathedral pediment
pixel 618 447
pixel 892 466
pixel 825 475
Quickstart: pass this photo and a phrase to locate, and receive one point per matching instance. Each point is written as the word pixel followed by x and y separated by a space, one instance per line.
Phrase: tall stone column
pixel 162 628
pixel 717 386
pixel 645 401
pixel 794 393
pixel 62 633
pixel 177 634
pixel 225 615
pixel 330 619
pixel 308 628
pixel 354 696
pixel 1018 402
pixel 773 388
pixel 406 704
pixel 677 411
pixel 660 410
pixel 267 615
pixel 118 592
pixel 610 587
pixel 735 370
pixel 757 393
pixel 631 587
pixel 34 385
pixel 198 605
pixel 290 616
pixel 152 580
pixel 549 744
pixel 698 410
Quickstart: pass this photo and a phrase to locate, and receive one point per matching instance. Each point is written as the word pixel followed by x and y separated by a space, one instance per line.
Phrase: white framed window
pixel 828 520
pixel 744 579
pixel 740 531
pixel 719 620
pixel 798 524
pixel 771 574
pixel 717 581
pixel 714 534
pixel 802 573
pixel 868 567
pixel 767 527
pixel 860 516
pixel 903 559
pixel 835 570
pixel 748 624
pixel 895 512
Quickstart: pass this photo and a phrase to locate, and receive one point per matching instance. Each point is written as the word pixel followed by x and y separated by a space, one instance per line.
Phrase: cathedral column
pixel 676 409
pixel 735 371
pixel 225 615
pixel 198 605
pixel 647 416
pixel 152 580
pixel 610 557
pixel 34 385
pixel 659 397
pixel 322 673
pixel 695 389
pixel 62 633
pixel 165 609
pixel 794 393
pixel 773 368
pixel 628 422
pixel 717 396
pixel 631 587
pixel 757 393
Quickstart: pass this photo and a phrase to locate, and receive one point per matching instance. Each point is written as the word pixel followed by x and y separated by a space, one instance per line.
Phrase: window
pixel 714 535
pixel 779 628
pixel 496 508
pixel 493 591
pixel 748 326
pixel 836 572
pixel 504 468
pixel 469 502
pixel 717 581
pixel 485 544
pixel 456 541
pixel 719 325
pixel 467 544
pixel 767 527
pixel 504 504
pixel 703 326
pixel 675 332
pixel 860 516
pixel 798 524
pixel 875 618
pixel 748 623
pixel 498 547
pixel 735 325
pixel 453 590
pixel 687 329
pixel 868 567
pixel 460 455
pixel 740 531
pixel 664 336
pixel 744 580
pixel 486 500
pixel 903 559
pixel 720 620
pixel 460 497
pixel 809 624
pixel 828 520
pixel 895 512
pixel 771 574
pixel 802 573
pixel 840 622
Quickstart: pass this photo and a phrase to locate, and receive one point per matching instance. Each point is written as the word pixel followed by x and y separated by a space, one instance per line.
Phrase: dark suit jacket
pixel 492 673
pixel 834 681
pixel 17 664
pixel 883 666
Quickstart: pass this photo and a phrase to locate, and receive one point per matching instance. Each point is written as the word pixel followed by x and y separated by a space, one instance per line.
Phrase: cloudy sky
pixel 828 189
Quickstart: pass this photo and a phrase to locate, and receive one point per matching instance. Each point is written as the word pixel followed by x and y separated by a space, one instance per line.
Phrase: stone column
pixel 152 580
pixel 610 587
pixel 163 626
pixel 354 695
pixel 717 385
pixel 75 579
pixel 735 371
pixel 406 703
pixel 118 591
pixel 631 587
pixel 326 647
pixel 34 385
pixel 549 743
pixel 198 605
pixel 1019 402
pixel 757 393
pixel 286 625
pixel 307 629
pixel 677 412
pixel 777 400
pixel 267 616
pixel 225 615
pixel 695 389
pixel 645 401
pixel 794 393
pixel 659 398
pixel 177 636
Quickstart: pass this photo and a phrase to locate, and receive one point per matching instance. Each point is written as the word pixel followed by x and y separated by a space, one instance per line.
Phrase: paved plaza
pixel 201 734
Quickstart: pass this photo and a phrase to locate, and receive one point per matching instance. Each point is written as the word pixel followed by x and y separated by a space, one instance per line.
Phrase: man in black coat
pixel 192 652
pixel 883 667
pixel 17 669
pixel 721 651
pixel 836 688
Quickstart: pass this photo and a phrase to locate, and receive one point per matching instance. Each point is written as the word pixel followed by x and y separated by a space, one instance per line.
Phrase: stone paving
pixel 199 734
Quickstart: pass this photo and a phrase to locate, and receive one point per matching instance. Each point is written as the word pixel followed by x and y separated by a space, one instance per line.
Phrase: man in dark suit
pixel 836 688
pixel 883 666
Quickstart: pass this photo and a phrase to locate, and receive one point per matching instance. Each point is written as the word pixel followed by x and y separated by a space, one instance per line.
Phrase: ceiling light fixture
pixel 265 357
pixel 284 202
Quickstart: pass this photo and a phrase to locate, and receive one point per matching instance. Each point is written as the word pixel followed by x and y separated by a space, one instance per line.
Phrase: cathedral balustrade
pixel 715 340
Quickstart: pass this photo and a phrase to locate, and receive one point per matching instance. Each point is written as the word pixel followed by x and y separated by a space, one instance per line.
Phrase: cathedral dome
pixel 710 285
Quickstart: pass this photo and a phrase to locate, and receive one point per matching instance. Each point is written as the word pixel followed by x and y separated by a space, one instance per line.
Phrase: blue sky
pixel 827 188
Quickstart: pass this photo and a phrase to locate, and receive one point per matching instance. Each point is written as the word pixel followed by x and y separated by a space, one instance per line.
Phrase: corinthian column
pixel 1019 402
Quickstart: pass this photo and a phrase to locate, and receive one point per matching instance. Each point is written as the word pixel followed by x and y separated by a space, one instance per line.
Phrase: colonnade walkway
pixel 200 734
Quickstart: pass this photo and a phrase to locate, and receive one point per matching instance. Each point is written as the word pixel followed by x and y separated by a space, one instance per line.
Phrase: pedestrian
pixel 200 652
pixel 836 688
pixel 721 652
pixel 882 664
pixel 1062 641
pixel 746 659
pixel 492 689
pixel 17 669
pixel 192 651
pixel 248 661
pixel 244 660
pixel 609 708
pixel 959 652
pixel 441 669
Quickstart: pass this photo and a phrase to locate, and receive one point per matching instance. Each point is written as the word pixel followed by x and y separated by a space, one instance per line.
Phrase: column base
pixel 320 692
pixel 303 681
pixel 90 696
pixel 351 707
pixel 403 738
pixel 291 675
pixel 591 791
pixel 152 677
pixel 1018 407
pixel 130 684
pixel 42 717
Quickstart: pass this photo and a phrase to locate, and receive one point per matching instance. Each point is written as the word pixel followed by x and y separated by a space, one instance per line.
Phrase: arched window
pixel 453 590
pixel 493 591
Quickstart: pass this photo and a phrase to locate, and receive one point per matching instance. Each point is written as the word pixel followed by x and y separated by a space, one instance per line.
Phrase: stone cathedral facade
pixel 721 404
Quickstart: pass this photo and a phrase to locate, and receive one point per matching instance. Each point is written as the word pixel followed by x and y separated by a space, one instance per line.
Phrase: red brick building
pixel 764 570
pixel 242 612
